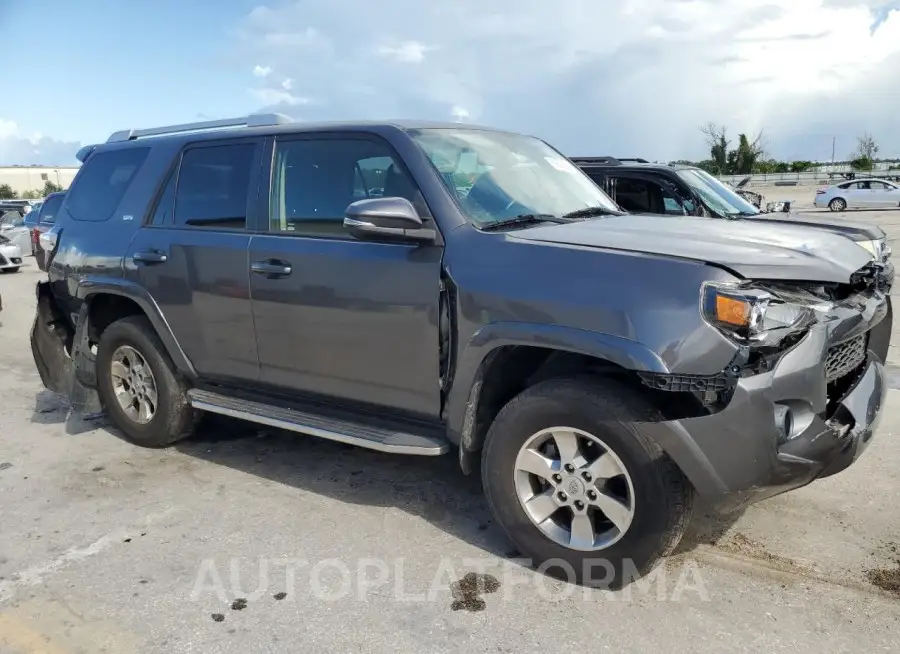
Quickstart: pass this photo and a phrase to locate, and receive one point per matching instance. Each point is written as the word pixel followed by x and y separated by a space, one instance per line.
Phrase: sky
pixel 592 77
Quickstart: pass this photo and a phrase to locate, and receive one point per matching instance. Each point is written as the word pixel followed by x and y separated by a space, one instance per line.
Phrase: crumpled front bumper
pixel 739 455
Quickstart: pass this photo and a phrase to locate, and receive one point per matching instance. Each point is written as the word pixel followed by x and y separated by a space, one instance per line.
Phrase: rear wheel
pixel 838 204
pixel 139 386
pixel 577 488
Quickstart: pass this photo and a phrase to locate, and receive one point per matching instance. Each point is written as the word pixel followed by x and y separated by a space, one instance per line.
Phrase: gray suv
pixel 421 288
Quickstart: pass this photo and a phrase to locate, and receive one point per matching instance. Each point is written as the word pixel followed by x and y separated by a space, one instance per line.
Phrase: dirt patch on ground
pixel 886 579
pixel 738 543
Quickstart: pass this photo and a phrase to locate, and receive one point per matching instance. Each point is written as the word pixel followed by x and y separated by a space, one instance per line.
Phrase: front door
pixel 192 256
pixel 348 321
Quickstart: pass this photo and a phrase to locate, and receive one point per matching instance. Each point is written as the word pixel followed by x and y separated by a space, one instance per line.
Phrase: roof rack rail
pixel 611 161
pixel 634 159
pixel 253 120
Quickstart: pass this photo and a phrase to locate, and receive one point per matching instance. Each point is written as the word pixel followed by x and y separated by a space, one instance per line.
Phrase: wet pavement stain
pixel 6 465
pixel 466 592
pixel 239 604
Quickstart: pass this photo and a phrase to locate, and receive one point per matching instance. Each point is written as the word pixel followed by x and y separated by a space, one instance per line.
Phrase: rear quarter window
pixel 50 208
pixel 102 182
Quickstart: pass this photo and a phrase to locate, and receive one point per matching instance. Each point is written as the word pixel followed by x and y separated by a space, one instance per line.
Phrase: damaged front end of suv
pixel 809 376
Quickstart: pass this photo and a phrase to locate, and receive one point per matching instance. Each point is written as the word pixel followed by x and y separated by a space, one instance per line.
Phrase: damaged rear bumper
pixel 64 367
pixel 801 421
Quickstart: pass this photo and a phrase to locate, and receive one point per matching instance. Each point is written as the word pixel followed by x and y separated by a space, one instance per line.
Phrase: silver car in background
pixel 859 194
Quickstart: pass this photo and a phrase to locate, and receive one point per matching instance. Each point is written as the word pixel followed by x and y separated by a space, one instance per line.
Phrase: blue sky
pixel 626 77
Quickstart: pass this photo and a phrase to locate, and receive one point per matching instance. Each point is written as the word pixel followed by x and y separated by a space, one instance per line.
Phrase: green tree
pixel 6 192
pixel 50 187
pixel 32 195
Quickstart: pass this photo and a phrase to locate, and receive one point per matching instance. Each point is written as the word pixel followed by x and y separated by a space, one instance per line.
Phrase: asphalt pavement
pixel 247 539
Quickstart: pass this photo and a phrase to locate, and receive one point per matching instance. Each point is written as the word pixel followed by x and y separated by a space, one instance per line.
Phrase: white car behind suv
pixel 10 255
pixel 860 193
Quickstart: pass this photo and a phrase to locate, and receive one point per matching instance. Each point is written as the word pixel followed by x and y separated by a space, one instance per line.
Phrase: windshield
pixel 718 196
pixel 496 176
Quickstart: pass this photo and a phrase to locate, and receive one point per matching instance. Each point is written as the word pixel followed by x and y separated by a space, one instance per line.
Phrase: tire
pixel 173 418
pixel 837 204
pixel 662 498
pixel 11 270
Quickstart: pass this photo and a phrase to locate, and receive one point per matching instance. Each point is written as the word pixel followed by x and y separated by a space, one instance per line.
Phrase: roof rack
pixel 253 120
pixel 610 161
pixel 607 161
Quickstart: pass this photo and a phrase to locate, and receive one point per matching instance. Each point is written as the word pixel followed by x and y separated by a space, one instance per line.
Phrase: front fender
pixel 89 287
pixel 463 395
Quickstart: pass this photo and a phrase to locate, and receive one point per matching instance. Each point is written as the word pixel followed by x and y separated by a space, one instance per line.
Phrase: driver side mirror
pixel 389 218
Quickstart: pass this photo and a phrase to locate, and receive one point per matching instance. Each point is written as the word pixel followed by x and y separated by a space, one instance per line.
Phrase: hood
pixel 853 230
pixel 757 249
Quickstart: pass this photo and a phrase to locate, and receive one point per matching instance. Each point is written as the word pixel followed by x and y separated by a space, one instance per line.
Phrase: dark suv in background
pixel 418 288
pixel 43 220
pixel 640 186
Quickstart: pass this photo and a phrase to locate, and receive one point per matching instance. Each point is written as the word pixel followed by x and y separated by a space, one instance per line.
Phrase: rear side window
pixel 102 183
pixel 213 185
pixel 48 211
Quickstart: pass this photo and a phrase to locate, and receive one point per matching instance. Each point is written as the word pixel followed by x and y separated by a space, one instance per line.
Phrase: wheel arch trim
pixel 89 288
pixel 476 357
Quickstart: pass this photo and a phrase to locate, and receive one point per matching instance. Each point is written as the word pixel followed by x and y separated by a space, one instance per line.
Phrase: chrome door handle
pixel 271 268
pixel 149 256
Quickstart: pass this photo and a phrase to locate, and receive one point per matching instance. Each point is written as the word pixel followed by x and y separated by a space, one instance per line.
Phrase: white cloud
pixel 287 84
pixel 459 113
pixel 18 149
pixel 262 71
pixel 270 96
pixel 7 128
pixel 408 52
pixel 633 77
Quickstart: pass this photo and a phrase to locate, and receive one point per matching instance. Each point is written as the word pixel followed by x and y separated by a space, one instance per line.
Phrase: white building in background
pixel 33 178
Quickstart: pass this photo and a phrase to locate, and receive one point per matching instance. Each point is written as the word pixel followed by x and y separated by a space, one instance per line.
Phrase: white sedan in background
pixel 10 255
pixel 860 193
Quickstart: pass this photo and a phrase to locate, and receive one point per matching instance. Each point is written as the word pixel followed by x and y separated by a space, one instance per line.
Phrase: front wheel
pixel 582 493
pixel 139 387
pixel 838 204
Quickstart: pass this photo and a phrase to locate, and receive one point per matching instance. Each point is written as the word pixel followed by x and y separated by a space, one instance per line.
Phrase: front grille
pixel 845 357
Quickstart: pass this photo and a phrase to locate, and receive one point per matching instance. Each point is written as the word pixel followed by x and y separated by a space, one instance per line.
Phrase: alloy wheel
pixel 133 384
pixel 574 488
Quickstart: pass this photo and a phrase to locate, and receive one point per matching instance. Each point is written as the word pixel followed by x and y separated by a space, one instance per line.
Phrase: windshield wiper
pixel 587 212
pixel 524 219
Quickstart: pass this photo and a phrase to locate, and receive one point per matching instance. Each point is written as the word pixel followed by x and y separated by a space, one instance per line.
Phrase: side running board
pixel 352 433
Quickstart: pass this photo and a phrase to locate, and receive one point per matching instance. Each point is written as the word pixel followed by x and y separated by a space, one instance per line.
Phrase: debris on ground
pixel 239 604
pixel 279 596
pixel 6 465
pixel 218 617
pixel 466 592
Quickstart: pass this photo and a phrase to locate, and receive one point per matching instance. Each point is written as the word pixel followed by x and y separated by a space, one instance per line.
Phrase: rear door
pixel 354 322
pixel 191 255
pixel 860 195
pixel 884 195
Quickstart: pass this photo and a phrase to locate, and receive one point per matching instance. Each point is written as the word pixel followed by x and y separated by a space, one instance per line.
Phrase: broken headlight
pixel 753 316
pixel 878 248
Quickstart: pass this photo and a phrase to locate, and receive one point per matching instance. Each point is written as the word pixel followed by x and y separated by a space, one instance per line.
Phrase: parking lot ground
pixel 106 547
